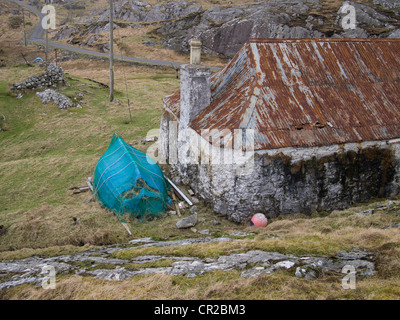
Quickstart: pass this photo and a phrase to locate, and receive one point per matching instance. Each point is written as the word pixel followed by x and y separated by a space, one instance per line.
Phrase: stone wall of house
pixel 294 180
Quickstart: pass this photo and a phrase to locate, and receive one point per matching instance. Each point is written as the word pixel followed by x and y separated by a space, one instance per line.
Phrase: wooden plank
pixel 178 196
pixel 127 228
pixel 178 211
pixel 89 185
pixel 79 189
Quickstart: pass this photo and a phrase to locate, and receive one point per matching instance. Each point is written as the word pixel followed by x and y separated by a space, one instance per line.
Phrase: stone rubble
pixel 60 100
pixel 251 263
pixel 52 77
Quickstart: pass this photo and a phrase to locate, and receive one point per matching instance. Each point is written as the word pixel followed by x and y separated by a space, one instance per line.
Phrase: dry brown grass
pixel 11 40
pixel 216 285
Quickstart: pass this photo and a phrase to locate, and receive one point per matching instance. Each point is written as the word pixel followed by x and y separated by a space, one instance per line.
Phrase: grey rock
pixel 187 222
pixel 395 34
pixel 397 225
pixel 195 200
pixel 223 30
pixel 306 273
pixel 172 10
pixel 388 4
pixel 390 204
pixel 92 39
pixel 365 213
pixel 187 267
pixel 286 264
pixel 356 254
pixel 194 209
pixel 254 272
pixel 60 100
pixel 363 268
pixel 240 233
pixel 149 43
pixel 142 240
pixel 177 180
pixel 30 270
pixel 117 274
pixel 65 33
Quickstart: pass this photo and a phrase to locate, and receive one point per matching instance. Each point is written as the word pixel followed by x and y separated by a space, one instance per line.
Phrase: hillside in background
pixel 222 26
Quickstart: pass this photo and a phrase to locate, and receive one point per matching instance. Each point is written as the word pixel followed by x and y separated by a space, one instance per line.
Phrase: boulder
pixel 187 222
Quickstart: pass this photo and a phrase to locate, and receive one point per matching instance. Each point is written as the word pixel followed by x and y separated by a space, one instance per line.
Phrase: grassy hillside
pixel 44 151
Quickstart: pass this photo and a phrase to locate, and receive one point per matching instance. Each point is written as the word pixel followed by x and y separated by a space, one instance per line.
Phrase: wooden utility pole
pixel 47 39
pixel 23 19
pixel 111 51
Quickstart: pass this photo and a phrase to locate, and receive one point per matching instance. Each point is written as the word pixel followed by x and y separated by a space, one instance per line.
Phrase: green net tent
pixel 127 181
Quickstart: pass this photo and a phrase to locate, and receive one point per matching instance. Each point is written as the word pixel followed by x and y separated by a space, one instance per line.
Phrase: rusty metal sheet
pixel 306 92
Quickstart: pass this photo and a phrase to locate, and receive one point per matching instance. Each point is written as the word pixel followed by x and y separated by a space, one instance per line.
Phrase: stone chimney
pixel 195 86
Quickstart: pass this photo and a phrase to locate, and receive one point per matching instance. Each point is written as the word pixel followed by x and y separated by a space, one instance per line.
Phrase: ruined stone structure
pixel 288 126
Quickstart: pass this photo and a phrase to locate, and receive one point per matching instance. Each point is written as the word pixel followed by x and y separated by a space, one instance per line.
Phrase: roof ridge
pixel 294 40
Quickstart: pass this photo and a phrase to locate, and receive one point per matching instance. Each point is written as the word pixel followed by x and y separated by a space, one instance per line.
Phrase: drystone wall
pixel 52 77
pixel 295 180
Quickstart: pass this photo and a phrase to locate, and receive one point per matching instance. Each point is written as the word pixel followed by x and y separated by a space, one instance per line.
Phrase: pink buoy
pixel 259 220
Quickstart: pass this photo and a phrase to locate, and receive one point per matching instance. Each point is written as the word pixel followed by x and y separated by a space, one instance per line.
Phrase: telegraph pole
pixel 111 51
pixel 47 39
pixel 23 19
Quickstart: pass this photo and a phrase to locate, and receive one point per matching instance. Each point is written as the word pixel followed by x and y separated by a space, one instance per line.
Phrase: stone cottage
pixel 288 126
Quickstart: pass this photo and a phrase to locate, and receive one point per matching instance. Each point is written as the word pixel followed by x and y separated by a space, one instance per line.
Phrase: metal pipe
pixel 179 191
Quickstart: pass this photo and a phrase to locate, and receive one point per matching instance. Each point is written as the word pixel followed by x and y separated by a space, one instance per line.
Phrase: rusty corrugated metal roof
pixel 306 92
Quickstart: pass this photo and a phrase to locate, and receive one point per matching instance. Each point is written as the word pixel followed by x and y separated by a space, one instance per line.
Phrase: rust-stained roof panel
pixel 306 92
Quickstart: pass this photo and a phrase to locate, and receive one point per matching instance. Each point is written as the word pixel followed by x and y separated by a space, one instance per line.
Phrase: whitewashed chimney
pixel 195 86
pixel 195 51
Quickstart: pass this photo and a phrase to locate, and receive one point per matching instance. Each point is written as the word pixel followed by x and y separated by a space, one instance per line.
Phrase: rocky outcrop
pixel 224 29
pixel 137 11
pixel 252 263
